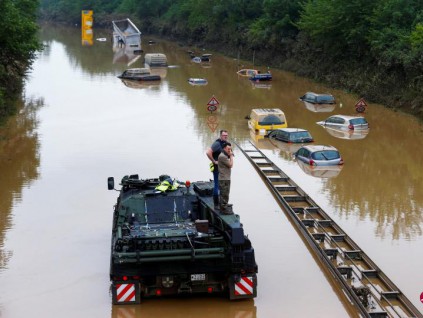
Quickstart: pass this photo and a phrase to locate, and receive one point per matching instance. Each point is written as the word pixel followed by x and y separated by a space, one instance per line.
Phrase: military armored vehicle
pixel 169 239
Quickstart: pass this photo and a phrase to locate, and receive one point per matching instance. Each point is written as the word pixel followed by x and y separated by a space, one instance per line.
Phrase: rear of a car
pixel 343 122
pixel 267 119
pixel 358 123
pixel 300 137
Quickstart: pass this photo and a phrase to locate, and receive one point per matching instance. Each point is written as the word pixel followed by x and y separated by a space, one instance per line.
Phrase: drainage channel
pixel 363 282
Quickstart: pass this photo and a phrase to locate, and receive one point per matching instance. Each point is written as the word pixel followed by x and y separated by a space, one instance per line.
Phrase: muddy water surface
pixel 80 124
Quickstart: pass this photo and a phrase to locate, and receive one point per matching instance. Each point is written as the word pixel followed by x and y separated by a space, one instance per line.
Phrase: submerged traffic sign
pixel 212 104
pixel 361 105
pixel 213 101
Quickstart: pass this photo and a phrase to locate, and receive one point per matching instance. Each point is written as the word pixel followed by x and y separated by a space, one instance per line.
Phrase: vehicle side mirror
pixel 111 183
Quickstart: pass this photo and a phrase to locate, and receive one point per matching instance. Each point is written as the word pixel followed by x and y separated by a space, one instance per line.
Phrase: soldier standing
pixel 225 164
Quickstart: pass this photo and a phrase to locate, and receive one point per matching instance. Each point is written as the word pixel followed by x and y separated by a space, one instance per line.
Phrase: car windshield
pixel 358 121
pixel 300 135
pixel 325 155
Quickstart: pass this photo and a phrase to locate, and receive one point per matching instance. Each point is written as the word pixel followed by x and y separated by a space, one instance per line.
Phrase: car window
pixel 303 152
pixel 318 155
pixel 325 155
pixel 325 99
pixel 270 120
pixel 300 135
pixel 358 121
pixel 335 120
pixel 311 97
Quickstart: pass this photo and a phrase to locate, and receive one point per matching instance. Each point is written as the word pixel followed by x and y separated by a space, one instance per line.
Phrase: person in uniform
pixel 213 153
pixel 225 164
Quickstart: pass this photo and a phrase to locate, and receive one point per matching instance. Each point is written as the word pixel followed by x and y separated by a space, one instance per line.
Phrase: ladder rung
pixel 369 272
pixel 354 254
pixel 308 222
pixel 390 294
pixel 338 237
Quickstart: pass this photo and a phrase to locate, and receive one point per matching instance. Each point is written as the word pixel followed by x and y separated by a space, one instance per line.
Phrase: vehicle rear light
pixel 341 162
pixel 210 290
pixel 125 278
pixel 158 292
pixel 351 127
pixel 136 277
pixel 311 162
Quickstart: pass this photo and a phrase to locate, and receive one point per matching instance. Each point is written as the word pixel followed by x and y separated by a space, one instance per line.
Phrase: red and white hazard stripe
pixel 125 293
pixel 245 286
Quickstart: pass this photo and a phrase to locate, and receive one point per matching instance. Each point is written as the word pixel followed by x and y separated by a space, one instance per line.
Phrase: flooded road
pixel 81 124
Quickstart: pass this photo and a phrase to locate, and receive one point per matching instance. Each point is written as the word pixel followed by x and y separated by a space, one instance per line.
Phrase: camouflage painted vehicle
pixel 168 239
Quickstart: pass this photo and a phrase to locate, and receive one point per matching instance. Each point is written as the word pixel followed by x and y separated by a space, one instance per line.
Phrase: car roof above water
pixel 347 117
pixel 291 129
pixel 314 148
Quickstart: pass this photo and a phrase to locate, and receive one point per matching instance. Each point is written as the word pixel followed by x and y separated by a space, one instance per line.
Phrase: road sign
pixel 361 105
pixel 211 108
pixel 213 101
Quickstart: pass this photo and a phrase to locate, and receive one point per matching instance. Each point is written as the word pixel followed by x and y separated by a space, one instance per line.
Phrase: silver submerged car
pixel 343 122
pixel 319 155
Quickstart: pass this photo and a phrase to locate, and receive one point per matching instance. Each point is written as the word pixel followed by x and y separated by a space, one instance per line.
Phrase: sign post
pixel 212 104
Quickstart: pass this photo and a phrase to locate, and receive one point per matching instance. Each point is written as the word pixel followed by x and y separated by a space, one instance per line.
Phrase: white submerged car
pixel 344 122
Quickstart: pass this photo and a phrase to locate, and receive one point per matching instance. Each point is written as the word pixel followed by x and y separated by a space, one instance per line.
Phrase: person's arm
pixel 209 153
pixel 228 162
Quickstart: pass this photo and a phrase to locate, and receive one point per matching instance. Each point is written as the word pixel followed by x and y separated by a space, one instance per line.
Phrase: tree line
pixel 373 48
pixel 18 46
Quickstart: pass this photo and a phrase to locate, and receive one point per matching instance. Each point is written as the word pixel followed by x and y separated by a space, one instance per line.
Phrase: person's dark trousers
pixel 216 182
pixel 225 186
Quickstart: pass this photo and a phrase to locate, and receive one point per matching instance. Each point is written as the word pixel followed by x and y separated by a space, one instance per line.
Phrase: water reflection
pixel 319 108
pixel 187 308
pixel 320 171
pixel 261 85
pixel 141 84
pixel 347 134
pixel 124 55
pixel 19 163
pixel 289 148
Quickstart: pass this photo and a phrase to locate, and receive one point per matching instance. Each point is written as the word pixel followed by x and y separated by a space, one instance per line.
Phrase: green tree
pixel 19 43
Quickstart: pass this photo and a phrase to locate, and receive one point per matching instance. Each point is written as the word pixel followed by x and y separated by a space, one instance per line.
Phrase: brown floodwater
pixel 80 124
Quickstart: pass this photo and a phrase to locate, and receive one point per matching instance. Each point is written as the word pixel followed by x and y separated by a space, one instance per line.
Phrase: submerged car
pixel 319 155
pixel 345 122
pixel 291 135
pixel 314 98
pixel 267 119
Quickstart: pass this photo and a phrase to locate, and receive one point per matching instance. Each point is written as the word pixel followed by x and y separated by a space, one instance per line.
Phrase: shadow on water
pixel 19 163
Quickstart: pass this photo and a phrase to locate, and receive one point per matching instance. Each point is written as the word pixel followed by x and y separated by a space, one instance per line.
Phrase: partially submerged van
pixel 267 119
pixel 155 59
